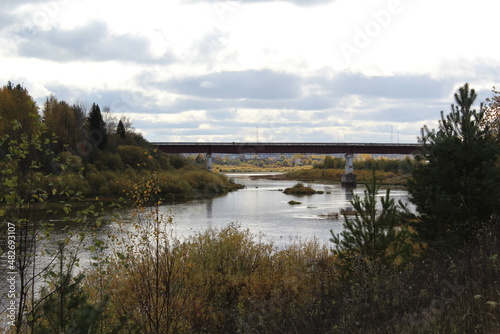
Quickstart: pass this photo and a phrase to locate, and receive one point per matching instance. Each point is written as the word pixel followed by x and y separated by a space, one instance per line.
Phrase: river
pixel 263 208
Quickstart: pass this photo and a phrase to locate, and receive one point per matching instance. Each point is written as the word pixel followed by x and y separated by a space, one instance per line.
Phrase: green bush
pixel 206 183
pixel 133 156
pixel 177 162
pixel 95 181
pixel 72 162
pixel 110 161
pixel 173 187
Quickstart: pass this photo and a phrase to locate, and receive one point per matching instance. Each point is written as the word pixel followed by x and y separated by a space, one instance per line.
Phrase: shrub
pixel 205 183
pixel 133 156
pixel 299 189
pixel 73 163
pixel 177 162
pixel 111 161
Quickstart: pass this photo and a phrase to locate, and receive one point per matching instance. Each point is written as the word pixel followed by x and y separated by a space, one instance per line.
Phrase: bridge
pixel 349 149
pixel 283 148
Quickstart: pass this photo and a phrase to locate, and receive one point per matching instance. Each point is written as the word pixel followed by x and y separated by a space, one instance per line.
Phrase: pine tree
pixel 97 128
pixel 373 234
pixel 456 185
pixel 65 306
pixel 120 129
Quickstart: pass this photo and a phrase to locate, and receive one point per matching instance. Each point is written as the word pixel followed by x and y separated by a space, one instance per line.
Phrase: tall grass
pixel 334 175
pixel 227 281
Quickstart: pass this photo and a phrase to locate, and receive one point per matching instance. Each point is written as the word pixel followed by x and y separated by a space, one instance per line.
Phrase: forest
pixel 390 270
pixel 84 150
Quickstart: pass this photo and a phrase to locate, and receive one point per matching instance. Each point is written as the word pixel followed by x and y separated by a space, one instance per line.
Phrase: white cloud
pixel 217 69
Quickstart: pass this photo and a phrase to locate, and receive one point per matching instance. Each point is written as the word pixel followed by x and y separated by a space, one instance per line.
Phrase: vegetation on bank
pixel 249 168
pixel 330 169
pixel 82 150
pixel 389 271
pixel 226 282
pixel 246 163
pixel 334 175
pixel 326 168
pixel 388 170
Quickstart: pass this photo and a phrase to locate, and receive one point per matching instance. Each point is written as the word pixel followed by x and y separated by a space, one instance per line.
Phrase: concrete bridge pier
pixel 349 178
pixel 209 161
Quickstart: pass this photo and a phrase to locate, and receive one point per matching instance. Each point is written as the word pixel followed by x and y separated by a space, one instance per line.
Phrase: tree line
pixel 92 150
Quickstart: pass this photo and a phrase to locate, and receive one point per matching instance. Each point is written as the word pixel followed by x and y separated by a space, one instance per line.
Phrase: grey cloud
pixel 202 132
pixel 301 103
pixel 5 20
pixel 11 4
pixel 91 42
pixel 304 3
pixel 266 89
pixel 117 100
pixel 251 84
pixel 222 114
pixel 397 87
pixel 164 125
pixel 411 112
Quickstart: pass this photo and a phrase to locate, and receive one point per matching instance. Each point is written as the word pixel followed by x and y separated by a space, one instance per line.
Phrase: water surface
pixel 263 208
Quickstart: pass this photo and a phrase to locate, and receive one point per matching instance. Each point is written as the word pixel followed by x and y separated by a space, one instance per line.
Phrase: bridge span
pixel 349 149
pixel 283 148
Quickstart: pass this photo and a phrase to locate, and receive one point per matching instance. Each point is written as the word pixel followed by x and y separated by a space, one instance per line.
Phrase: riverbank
pixel 333 176
pixel 247 168
pixel 105 190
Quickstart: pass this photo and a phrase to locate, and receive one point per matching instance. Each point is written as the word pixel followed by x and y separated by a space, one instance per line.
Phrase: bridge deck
pixel 282 148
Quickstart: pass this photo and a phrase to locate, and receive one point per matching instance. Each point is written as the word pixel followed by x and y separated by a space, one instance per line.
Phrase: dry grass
pixel 227 281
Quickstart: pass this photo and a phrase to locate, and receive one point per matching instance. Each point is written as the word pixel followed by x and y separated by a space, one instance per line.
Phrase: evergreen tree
pixel 373 234
pixel 456 185
pixel 97 128
pixel 120 129
pixel 65 306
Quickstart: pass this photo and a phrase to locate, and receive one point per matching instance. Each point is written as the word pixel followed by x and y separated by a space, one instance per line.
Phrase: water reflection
pixel 348 193
pixel 210 206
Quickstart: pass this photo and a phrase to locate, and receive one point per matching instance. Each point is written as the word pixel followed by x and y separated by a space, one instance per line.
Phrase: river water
pixel 263 208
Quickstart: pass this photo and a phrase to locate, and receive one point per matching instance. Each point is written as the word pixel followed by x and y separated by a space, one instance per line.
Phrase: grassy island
pixel 299 189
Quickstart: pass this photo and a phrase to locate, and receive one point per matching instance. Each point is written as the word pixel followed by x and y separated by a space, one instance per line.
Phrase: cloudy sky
pixel 290 70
